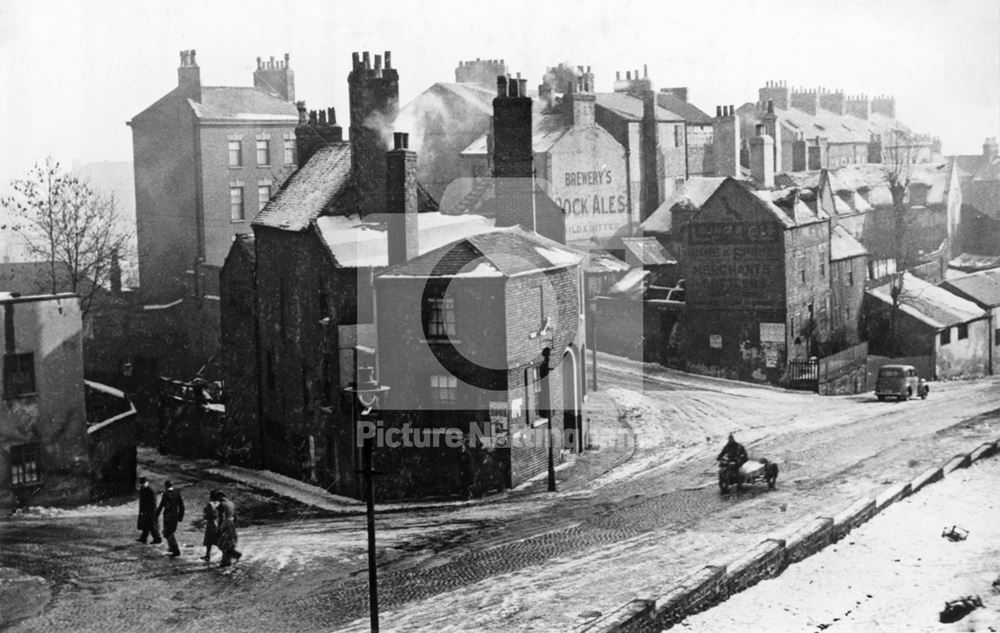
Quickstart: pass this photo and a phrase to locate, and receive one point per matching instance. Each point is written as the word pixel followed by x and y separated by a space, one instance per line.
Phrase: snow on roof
pixel 242 103
pixel 363 243
pixel 111 391
pixel 630 281
pixel 930 304
pixel 601 261
pixel 983 287
pixel 843 245
pixel 546 130
pixel 162 306
pixel 631 108
pixel 969 262
pixel 309 191
pixel 648 251
pixel 693 193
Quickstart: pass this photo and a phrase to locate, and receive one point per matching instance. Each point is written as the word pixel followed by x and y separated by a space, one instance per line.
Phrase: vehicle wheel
pixel 723 485
pixel 924 392
pixel 772 476
pixel 881 397
pixel 906 396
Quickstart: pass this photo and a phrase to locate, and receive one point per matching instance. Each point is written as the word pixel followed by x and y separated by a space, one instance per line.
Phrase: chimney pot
pixel 193 62
pixel 628 75
pixel 331 115
pixel 718 112
pixel 258 63
pixel 645 72
pixel 378 61
pixel 388 60
pixel 618 75
pixel 355 59
pixel 322 117
pixel 501 86
pixel 522 87
pixel 366 60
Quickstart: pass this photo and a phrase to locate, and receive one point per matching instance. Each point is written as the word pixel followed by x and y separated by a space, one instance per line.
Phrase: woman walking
pixel 211 516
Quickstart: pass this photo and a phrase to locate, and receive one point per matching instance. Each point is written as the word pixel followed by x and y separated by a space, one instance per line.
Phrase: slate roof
pixel 930 304
pixel 687 111
pixel 693 193
pixel 981 287
pixel 309 191
pixel 843 245
pixel 242 104
pixel 648 251
pixel 500 253
pixel 631 108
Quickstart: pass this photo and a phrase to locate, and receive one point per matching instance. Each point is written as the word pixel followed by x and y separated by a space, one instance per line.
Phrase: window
pixel 946 336
pixel 263 152
pixel 235 154
pixel 18 375
pixel 236 212
pixel 440 317
pixel 822 269
pixel 444 390
pixel 963 331
pixel 678 136
pixel 263 195
pixel 802 274
pixel 850 278
pixel 24 464
pixel 289 151
pixel 534 379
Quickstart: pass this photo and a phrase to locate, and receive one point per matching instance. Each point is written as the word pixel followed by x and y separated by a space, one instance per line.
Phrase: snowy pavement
pixel 892 574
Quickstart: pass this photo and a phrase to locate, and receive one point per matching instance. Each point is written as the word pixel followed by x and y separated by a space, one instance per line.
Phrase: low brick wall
pixel 958 461
pixel 808 540
pixel 852 516
pixel 714 583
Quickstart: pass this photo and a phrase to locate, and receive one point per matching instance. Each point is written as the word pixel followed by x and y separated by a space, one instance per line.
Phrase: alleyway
pixel 604 538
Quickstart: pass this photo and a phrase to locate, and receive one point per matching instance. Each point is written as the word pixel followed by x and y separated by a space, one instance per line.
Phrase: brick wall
pixel 847 291
pixel 374 104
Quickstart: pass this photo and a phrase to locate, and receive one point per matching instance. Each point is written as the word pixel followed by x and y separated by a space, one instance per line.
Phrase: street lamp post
pixel 593 342
pixel 366 394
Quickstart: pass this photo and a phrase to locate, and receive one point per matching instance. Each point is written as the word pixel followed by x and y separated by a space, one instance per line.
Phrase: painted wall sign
pixel 709 233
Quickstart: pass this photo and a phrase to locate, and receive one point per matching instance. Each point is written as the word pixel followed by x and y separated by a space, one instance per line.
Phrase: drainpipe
pixel 628 186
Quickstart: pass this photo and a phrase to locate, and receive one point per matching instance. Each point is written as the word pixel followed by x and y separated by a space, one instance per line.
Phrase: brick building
pixel 978 230
pixel 44 453
pixel 482 337
pixel 206 160
pixel 756 265
pixel 815 128
pixel 298 302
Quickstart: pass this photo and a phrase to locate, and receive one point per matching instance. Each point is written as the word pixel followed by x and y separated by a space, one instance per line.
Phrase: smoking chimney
pixel 374 100
pixel 401 200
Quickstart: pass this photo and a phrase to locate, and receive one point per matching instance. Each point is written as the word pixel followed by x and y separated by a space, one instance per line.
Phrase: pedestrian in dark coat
pixel 172 507
pixel 211 516
pixel 146 522
pixel 227 530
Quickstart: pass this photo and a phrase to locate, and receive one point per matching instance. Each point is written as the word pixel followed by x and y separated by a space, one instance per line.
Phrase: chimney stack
pixel 799 153
pixel 315 131
pixel 858 106
pixel 776 91
pixel 374 101
pixel 513 154
pixel 276 78
pixel 578 105
pixel 833 101
pixel 762 159
pixel 401 200
pixel 726 142
pixel 652 158
pixel 884 105
pixel 805 99
pixel 772 128
pixel 990 148
pixel 189 77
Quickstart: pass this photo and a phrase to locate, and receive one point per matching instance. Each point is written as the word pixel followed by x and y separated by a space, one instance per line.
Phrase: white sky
pixel 73 72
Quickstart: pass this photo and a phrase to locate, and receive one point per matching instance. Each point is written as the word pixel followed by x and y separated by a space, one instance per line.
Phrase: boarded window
pixel 18 375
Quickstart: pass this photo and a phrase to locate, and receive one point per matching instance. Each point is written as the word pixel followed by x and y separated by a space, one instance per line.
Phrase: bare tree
pixel 897 167
pixel 65 223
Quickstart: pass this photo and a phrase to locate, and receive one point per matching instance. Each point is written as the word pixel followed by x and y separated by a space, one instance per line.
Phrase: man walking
pixel 228 538
pixel 146 522
pixel 172 507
